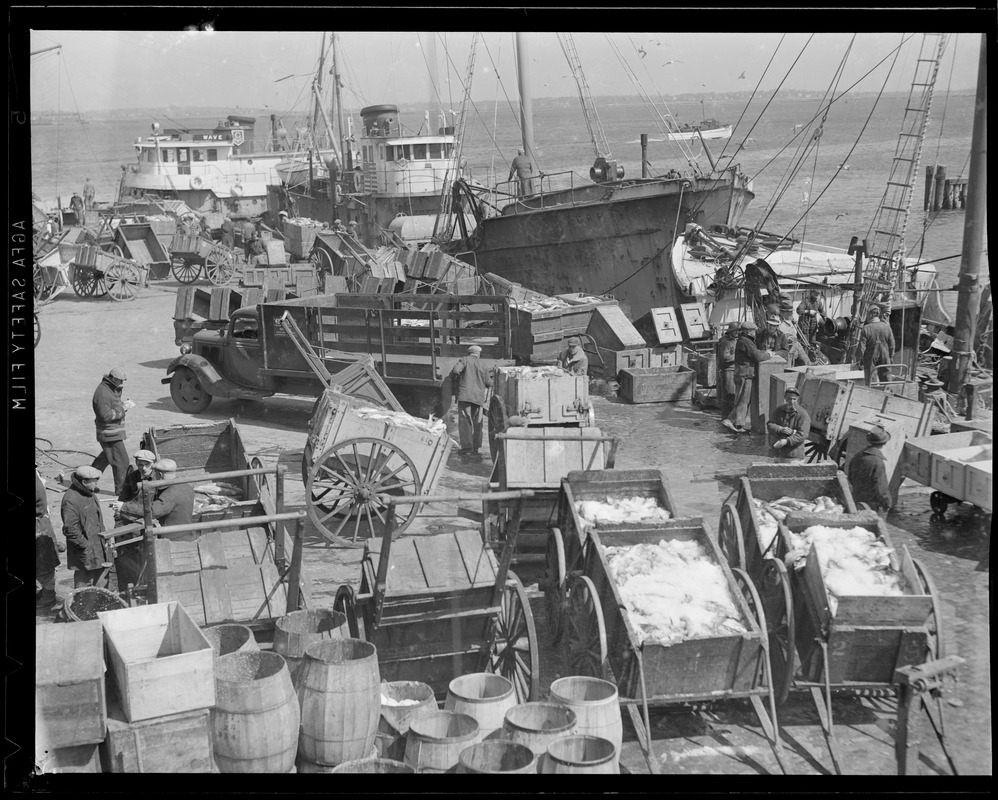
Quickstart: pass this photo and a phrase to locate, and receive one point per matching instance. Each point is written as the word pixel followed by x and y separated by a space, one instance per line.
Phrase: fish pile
pixel 215 496
pixel 618 510
pixel 402 420
pixel 673 591
pixel 547 304
pixel 853 561
pixel 305 222
pixel 533 373
pixel 771 514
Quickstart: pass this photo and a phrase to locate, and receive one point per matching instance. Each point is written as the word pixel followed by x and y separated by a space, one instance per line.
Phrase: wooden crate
pixel 609 328
pixel 177 743
pixel 694 318
pixel 299 238
pixel 80 759
pixel 660 326
pixel 664 355
pixel 612 484
pixel 657 384
pixel 616 360
pixel 162 662
pixel 979 485
pixel 949 469
pixel 552 400
pixel 70 703
pixel 537 462
pixel 916 460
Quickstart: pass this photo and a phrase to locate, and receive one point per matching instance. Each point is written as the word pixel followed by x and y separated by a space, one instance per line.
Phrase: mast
pixel 318 90
pixel 974 226
pixel 348 154
pixel 526 99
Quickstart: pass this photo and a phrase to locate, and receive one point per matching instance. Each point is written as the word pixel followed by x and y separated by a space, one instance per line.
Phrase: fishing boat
pixel 708 129
pixel 221 169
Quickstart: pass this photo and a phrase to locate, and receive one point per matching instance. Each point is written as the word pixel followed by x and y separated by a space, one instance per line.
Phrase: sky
pixel 141 69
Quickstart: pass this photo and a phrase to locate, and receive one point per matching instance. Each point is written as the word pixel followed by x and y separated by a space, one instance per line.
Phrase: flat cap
pixel 166 465
pixel 875 311
pixel 87 473
pixel 791 390
pixel 772 320
pixel 574 341
pixel 118 374
pixel 748 325
pixel 475 349
pixel 734 326
pixel 144 455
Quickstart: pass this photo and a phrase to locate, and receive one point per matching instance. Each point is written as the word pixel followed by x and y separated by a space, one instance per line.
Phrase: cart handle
pixel 451 498
pixel 562 437
pixel 236 473
pixel 235 522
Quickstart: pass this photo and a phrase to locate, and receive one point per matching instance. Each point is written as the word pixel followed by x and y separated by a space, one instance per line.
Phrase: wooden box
pixel 616 360
pixel 162 662
pixel 551 400
pixel 609 328
pixel 276 255
pixel 695 323
pixel 949 469
pixel 177 743
pixel 224 300
pixel 660 326
pixel 80 759
pixel 979 484
pixel 657 384
pixel 664 355
pixel 916 461
pixel 70 704
pixel 533 461
pixel 299 238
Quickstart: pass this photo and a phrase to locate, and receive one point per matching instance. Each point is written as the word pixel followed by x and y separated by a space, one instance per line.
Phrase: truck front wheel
pixel 187 391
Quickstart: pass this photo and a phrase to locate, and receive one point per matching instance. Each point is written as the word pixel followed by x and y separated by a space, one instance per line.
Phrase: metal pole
pixel 969 298
pixel 526 99
pixel 644 155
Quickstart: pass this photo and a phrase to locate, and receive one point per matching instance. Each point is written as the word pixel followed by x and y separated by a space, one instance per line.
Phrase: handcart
pixel 603 643
pixel 192 251
pixel 956 466
pixel 138 242
pixel 95 273
pixel 444 605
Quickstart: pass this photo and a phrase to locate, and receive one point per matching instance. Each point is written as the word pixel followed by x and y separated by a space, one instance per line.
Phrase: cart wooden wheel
pixel 815 451
pixel 934 624
pixel 498 422
pixel 777 600
pixel 756 608
pixel 115 250
pixel 123 281
pixel 38 330
pixel 322 261
pixel 729 535
pixel 43 291
pixel 220 265
pixel 554 584
pixel 347 488
pixel 85 282
pixel 513 649
pixel 939 503
pixel 187 392
pixel 186 271
pixel 587 645
pixel 345 602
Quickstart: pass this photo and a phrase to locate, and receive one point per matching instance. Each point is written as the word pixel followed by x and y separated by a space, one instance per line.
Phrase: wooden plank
pixel 441 561
pixel 212 551
pixel 405 572
pixel 237 548
pixel 185 557
pixel 261 545
pixel 186 590
pixel 215 594
pixel 164 556
pixel 479 561
pixel 246 593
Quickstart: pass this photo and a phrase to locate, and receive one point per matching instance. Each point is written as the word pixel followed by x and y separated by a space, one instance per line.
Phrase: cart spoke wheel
pixel 751 596
pixel 123 281
pixel 498 422
pixel 43 290
pixel 729 534
pixel 115 250
pixel 322 261
pixel 85 281
pixel 513 650
pixel 38 331
pixel 934 624
pixel 815 451
pixel 587 645
pixel 777 600
pixel 349 486
pixel 186 271
pixel 187 392
pixel 554 585
pixel 220 265
pixel 939 502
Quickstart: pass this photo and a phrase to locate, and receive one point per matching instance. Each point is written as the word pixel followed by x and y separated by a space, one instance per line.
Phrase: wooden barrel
pixel 294 632
pixel 383 766
pixel 230 638
pixel 484 696
pixel 401 702
pixel 536 725
pixel 340 692
pixel 435 740
pixel 256 717
pixel 497 757
pixel 306 767
pixel 585 755
pixel 595 704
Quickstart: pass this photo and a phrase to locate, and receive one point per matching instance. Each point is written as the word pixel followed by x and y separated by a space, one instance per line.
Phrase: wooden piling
pixel 940 188
pixel 930 172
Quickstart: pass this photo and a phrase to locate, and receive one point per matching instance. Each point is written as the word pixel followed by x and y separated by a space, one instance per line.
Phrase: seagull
pixel 641 50
pixel 839 215
pixel 674 61
pixel 798 126
pixel 742 76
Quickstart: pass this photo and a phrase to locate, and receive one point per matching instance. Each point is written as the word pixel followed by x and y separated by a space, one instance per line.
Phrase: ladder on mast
pixel 885 249
pixel 446 212
pixel 596 133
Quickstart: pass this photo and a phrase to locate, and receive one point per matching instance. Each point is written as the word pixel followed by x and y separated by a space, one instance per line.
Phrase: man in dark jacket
pixel 810 317
pixel 82 525
pixel 473 381
pixel 747 355
pixel 248 230
pixel 141 471
pixel 47 549
pixel 173 505
pixel 876 346
pixel 790 426
pixel 109 418
pixel 573 358
pixel 726 368
pixel 868 473
pixel 228 233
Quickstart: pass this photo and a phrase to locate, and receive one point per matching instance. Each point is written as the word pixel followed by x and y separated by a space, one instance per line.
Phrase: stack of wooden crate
pixel 299 236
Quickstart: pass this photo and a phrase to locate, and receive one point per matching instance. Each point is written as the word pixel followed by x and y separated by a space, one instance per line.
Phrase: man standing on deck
pixel 747 355
pixel 88 194
pixel 524 169
pixel 810 317
pixel 82 524
pixel 574 359
pixel 109 419
pixel 473 381
pixel 726 368
pixel 868 473
pixel 796 353
pixel 76 204
pixel 876 346
pixel 790 426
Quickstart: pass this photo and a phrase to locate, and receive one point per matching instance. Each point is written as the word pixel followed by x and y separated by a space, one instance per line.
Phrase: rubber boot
pixel 45 599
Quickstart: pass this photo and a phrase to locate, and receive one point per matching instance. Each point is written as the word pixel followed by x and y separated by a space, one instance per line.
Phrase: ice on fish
pixel 403 420
pixel 616 510
pixel 771 514
pixel 533 373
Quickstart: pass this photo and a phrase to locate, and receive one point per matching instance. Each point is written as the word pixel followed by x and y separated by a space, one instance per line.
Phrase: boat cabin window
pixel 212 154
pixel 435 151
pixel 183 158
pixel 381 151
pixel 246 328
pixel 419 152
pixel 368 155
pixel 198 155
pixel 170 155
pixel 150 155
pixel 448 150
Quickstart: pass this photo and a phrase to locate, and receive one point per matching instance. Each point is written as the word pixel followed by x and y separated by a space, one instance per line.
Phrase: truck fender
pixel 215 384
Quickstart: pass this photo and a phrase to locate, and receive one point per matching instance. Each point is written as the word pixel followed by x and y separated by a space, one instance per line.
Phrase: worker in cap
pixel 573 358
pixel 771 337
pixel 142 470
pixel 470 381
pixel 867 472
pixel 282 219
pixel 82 525
pixel 173 503
pixel 747 355
pixel 726 368
pixel 811 317
pixel 789 427
pixel 876 347
pixel 109 418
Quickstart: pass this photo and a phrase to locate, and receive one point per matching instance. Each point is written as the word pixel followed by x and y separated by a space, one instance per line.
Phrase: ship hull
pixel 613 239
pixel 690 136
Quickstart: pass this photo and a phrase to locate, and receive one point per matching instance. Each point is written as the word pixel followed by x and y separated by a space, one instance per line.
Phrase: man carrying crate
pixel 473 381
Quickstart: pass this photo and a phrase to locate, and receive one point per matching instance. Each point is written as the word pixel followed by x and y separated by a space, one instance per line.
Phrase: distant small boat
pixel 709 129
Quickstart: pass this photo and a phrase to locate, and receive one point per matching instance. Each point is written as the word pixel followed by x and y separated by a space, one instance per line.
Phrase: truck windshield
pixel 245 329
